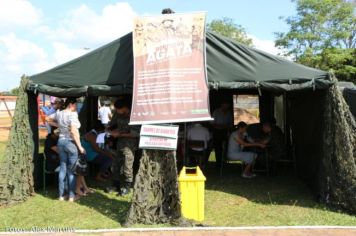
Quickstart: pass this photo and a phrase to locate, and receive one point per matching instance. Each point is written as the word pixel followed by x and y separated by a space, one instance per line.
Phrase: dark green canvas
pixel 109 70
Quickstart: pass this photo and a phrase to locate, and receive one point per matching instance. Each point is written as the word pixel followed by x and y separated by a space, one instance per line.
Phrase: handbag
pixel 81 166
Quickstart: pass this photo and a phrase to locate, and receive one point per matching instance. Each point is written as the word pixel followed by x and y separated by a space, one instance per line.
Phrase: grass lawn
pixel 230 201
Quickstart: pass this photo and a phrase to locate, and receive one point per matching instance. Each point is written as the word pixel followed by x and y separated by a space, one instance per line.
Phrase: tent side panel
pixel 305 113
pixel 33 121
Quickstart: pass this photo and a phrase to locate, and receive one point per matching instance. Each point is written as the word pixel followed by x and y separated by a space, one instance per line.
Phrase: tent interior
pixel 287 91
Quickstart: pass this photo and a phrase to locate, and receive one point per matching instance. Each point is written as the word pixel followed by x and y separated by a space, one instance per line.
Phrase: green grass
pixel 271 201
pixel 230 201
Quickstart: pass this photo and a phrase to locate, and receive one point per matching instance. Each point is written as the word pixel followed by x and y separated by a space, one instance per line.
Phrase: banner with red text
pixel 159 137
pixel 170 82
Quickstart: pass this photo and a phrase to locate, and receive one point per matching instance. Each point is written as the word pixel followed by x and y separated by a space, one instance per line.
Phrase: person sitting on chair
pixel 197 132
pixel 235 149
pixel 275 140
pixel 95 154
pixel 51 150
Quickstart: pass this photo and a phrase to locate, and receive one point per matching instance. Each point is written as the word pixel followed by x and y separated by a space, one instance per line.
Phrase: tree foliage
pixel 15 91
pixel 322 35
pixel 228 28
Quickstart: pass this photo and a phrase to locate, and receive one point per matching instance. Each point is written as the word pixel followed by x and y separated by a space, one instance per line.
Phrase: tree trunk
pixel 155 198
pixel 16 168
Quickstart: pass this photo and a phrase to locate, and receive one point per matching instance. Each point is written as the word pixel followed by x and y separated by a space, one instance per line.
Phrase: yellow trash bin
pixel 191 187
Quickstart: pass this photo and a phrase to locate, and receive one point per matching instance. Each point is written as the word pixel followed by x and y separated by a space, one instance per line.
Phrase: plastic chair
pixel 226 160
pixel 266 168
pixel 288 159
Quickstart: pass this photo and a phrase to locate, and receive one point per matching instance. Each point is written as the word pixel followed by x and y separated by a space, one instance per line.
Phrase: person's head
pixel 107 103
pixel 167 11
pixel 99 127
pixel 58 103
pixel 70 104
pixel 241 127
pixel 122 106
pixel 266 127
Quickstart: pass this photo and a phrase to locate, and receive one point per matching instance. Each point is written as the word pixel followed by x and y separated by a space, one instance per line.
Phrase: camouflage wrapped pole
pixel 338 183
pixel 155 198
pixel 16 169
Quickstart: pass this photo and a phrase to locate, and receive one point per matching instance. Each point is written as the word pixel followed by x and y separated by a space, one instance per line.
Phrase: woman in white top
pixel 235 149
pixel 68 145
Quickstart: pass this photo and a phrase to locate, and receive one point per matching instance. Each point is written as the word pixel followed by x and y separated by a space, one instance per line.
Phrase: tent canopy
pixel 108 70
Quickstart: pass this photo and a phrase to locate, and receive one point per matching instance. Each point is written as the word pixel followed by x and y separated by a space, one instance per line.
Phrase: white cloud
pixel 63 53
pixel 84 27
pixel 17 57
pixel 18 13
pixel 266 45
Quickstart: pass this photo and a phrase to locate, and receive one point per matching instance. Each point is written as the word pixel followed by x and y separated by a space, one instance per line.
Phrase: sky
pixel 37 35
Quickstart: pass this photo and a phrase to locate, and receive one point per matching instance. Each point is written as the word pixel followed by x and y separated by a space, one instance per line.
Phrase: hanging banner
pixel 170 82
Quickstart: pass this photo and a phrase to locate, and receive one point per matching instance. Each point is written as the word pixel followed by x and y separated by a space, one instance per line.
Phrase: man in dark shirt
pixel 51 150
pixel 275 140
pixel 127 142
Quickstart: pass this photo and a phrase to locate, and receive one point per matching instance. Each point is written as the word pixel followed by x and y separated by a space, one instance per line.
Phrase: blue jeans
pixel 68 155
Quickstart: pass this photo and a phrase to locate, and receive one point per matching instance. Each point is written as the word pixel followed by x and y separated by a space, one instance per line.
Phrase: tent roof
pixel 108 70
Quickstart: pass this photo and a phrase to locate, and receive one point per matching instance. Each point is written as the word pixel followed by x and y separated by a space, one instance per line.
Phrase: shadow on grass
pixel 284 189
pixel 111 206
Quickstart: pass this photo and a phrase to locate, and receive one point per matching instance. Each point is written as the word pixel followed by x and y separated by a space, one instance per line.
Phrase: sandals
pixel 81 194
pixel 90 191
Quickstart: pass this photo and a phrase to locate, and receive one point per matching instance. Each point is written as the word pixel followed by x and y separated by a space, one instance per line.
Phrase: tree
pixel 228 28
pixel 322 35
pixel 14 91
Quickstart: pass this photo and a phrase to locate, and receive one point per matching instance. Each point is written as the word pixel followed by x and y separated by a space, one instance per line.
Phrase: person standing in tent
pixel 68 145
pixel 223 121
pixel 105 113
pixel 56 104
pixel 126 145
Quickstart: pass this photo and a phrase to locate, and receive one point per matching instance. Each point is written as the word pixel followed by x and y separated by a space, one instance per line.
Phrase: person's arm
pixel 51 120
pixel 55 149
pixel 242 142
pixel 45 110
pixel 76 137
pixel 91 138
pixel 117 134
pixel 132 134
pixel 110 114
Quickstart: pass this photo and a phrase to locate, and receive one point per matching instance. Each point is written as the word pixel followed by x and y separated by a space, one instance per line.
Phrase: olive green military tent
pixel 109 70
pixel 317 120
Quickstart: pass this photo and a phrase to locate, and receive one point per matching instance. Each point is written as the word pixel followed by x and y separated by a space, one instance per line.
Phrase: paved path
pixel 233 231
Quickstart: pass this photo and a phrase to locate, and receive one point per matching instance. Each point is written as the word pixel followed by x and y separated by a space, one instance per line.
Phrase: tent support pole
pixel 185 143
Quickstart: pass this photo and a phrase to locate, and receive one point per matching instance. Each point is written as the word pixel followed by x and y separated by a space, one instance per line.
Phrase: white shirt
pixel 197 132
pixel 66 119
pixel 104 113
